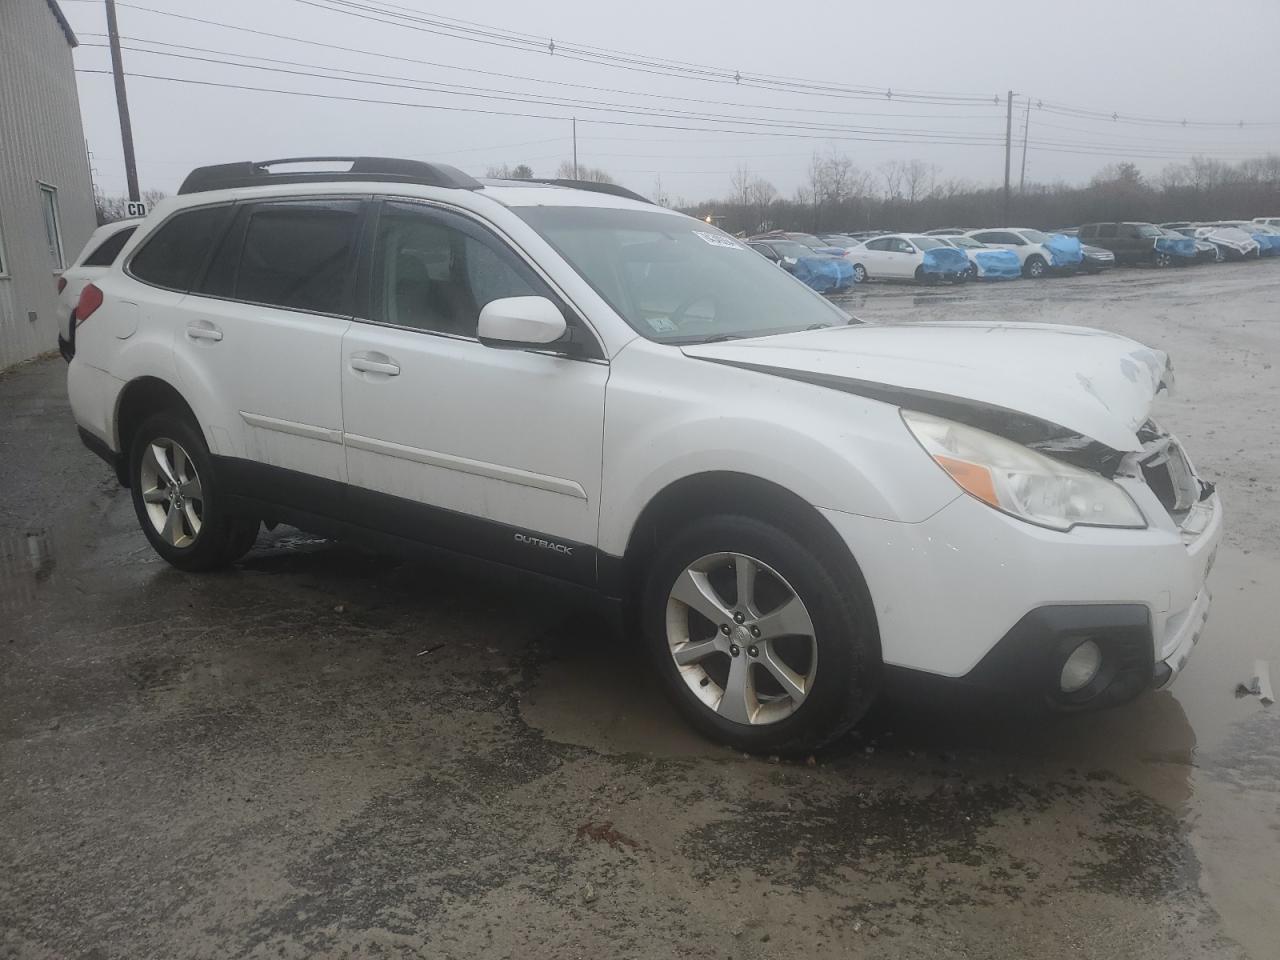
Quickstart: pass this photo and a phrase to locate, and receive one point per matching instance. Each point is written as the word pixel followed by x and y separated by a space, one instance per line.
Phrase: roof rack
pixel 249 173
pixel 593 186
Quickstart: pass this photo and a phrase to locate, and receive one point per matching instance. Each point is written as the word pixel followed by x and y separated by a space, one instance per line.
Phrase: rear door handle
pixel 203 330
pixel 375 363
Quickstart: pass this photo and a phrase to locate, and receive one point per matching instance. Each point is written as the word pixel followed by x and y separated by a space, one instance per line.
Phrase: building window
pixel 52 229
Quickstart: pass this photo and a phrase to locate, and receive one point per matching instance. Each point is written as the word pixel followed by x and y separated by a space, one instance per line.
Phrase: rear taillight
pixel 62 284
pixel 90 300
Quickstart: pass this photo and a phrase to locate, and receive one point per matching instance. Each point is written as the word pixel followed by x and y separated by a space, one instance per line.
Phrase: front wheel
pixel 859 273
pixel 760 642
pixel 176 497
pixel 1161 259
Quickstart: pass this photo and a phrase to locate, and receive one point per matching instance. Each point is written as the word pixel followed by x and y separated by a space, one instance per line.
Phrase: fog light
pixel 1081 667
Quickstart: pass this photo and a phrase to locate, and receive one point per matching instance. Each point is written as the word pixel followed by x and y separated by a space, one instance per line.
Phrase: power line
pixel 505 93
pixel 602 121
pixel 507 96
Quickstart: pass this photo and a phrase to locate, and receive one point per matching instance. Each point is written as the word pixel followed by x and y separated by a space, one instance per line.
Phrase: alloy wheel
pixel 741 638
pixel 172 492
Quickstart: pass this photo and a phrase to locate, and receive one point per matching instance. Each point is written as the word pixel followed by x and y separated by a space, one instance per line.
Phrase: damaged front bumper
pixel 976 595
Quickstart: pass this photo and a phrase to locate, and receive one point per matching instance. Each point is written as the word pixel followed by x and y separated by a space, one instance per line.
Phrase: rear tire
pixel 177 499
pixel 1035 267
pixel 801 678
pixel 1160 260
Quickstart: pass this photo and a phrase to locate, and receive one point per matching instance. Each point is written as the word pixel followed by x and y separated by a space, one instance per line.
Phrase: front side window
pixel 172 256
pixel 52 225
pixel 298 255
pixel 1147 230
pixel 678 280
pixel 902 246
pixel 107 251
pixel 1107 231
pixel 435 271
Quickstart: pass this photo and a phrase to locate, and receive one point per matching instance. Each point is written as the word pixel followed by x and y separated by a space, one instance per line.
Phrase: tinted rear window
pixel 109 249
pixel 172 256
pixel 298 255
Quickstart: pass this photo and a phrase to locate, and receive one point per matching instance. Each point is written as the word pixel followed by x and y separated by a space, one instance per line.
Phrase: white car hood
pixel 1097 384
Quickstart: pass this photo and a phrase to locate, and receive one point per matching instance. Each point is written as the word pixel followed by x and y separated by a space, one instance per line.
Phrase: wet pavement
pixel 325 752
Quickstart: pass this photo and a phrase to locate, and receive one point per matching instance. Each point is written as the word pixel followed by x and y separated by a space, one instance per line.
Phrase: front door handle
pixel 203 330
pixel 375 363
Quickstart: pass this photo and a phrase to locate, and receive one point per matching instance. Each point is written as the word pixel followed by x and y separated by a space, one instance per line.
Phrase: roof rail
pixel 249 173
pixel 593 186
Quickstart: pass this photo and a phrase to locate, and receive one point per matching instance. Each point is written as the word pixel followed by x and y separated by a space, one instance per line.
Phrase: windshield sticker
pixel 718 240
pixel 661 325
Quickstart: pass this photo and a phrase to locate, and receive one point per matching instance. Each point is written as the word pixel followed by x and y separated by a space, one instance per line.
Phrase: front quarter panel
pixel 669 416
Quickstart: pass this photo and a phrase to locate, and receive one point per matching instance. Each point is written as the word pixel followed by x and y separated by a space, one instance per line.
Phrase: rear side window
pixel 1088 230
pixel 1107 231
pixel 292 255
pixel 109 249
pixel 173 256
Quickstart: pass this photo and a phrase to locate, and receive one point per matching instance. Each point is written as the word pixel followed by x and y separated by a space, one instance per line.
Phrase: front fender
pixel 669 417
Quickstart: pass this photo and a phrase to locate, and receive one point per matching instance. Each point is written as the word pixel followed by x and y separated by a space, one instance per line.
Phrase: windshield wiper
pixel 720 338
pixel 817 326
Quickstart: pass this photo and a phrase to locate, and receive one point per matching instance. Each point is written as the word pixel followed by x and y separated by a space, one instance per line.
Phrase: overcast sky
pixel 1165 59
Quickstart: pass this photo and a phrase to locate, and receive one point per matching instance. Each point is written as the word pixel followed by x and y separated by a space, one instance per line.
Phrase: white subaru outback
pixel 568 379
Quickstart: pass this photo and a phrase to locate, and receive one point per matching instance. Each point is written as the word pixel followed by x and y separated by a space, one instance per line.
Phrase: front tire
pixel 761 642
pixel 176 497
pixel 1160 259
pixel 859 273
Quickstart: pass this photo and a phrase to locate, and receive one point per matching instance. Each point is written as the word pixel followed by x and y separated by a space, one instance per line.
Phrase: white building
pixel 46 196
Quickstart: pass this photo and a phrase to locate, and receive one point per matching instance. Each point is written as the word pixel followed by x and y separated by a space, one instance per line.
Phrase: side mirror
pixel 516 322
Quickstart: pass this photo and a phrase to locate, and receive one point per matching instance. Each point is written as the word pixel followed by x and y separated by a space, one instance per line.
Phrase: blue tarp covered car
pixel 1183 248
pixel 824 273
pixel 944 261
pixel 1065 253
pixel 989 263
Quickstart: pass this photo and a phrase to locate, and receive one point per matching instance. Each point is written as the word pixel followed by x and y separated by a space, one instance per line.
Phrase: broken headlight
pixel 1021 482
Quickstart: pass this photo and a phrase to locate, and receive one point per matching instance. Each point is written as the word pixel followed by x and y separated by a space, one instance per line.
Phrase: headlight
pixel 1021 482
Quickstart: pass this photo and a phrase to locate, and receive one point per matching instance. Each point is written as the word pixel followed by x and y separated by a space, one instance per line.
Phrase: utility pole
pixel 575 148
pixel 1026 126
pixel 122 104
pixel 1008 152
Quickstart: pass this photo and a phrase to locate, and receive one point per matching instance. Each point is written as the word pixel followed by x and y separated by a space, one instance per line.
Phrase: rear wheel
pixel 1035 267
pixel 1161 259
pixel 176 497
pixel 760 642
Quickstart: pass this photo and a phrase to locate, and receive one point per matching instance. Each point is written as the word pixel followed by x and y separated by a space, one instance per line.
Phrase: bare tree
pixel 758 198
pixel 919 179
pixel 593 174
pixel 893 174
pixel 521 171
pixel 740 181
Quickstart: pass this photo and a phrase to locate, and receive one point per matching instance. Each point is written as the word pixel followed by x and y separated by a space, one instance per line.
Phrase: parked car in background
pixel 101 250
pixel 1066 231
pixel 808 239
pixel 819 271
pixel 986 263
pixel 1183 249
pixel 946 232
pixel 1232 242
pixel 1268 238
pixel 1040 253
pixel 1133 242
pixel 1096 259
pixel 1202 251
pixel 1268 221
pixel 841 240
pixel 908 257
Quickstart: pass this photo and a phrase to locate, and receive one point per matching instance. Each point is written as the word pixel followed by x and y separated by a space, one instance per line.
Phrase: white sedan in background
pixel 1040 253
pixel 907 257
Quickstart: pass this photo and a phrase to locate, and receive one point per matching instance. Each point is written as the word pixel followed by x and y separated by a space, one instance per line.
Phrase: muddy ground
pixel 326 753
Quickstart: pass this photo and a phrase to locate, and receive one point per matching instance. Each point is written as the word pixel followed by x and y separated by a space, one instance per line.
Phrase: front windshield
pixel 964 242
pixel 927 243
pixel 1035 236
pixel 809 240
pixel 840 240
pixel 1147 230
pixel 678 280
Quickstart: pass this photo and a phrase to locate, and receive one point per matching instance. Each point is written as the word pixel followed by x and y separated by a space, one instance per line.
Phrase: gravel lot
pixel 327 753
